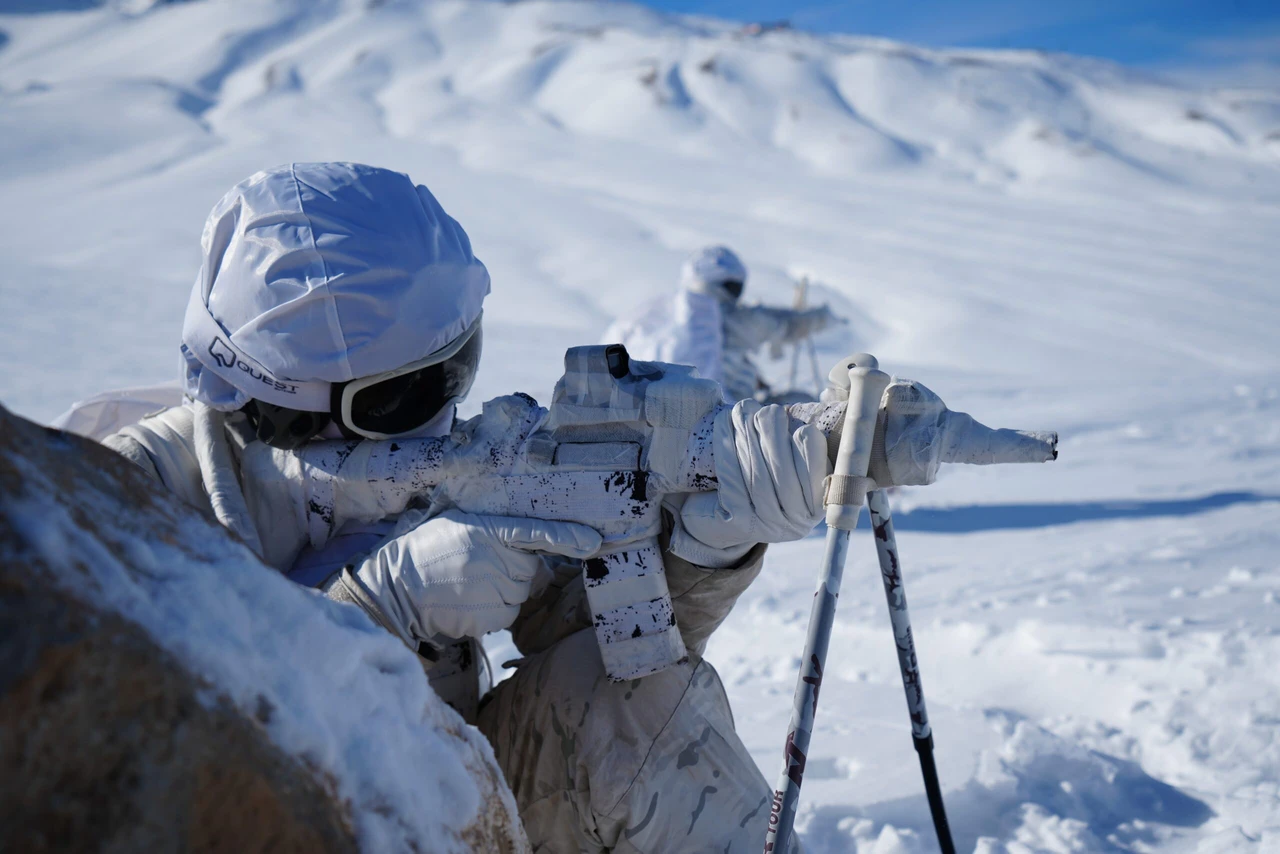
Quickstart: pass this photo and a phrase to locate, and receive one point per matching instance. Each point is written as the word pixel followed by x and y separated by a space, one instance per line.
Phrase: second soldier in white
pixel 707 325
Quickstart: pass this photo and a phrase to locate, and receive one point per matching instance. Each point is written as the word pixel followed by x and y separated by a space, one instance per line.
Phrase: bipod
pixel 846 490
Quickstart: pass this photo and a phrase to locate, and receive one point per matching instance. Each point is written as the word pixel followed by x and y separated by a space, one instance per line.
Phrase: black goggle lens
pixel 733 288
pixel 398 405
pixel 406 402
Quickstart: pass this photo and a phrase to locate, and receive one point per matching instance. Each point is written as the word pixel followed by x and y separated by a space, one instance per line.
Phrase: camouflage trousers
pixel 653 765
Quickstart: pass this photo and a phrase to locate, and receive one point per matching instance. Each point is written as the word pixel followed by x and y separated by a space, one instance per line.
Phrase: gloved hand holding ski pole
pixel 618 438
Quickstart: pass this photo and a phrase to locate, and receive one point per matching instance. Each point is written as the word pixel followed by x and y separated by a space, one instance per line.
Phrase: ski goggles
pixel 382 406
pixel 733 287
pixel 391 404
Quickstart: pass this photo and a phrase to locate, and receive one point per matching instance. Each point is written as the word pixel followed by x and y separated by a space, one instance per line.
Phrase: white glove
pixel 456 574
pixel 770 470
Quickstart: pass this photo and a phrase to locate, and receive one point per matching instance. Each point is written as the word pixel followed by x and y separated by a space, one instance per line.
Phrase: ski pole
pixel 896 594
pixel 846 490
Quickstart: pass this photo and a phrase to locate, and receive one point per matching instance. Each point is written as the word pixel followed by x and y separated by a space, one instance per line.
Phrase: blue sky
pixel 1228 37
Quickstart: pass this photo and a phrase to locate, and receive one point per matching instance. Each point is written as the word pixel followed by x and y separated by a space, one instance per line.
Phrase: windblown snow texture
pixel 1046 241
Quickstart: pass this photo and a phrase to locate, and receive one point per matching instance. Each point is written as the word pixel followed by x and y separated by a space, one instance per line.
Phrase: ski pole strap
pixel 846 490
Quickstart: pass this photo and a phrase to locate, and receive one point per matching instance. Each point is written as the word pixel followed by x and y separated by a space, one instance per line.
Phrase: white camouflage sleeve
pixel 131 449
pixel 703 596
pixel 768 325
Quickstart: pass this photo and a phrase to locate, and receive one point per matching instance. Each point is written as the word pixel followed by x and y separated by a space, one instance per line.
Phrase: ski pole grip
pixel 846 488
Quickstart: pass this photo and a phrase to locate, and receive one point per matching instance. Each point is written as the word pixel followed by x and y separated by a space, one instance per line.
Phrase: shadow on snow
pixel 994 517
pixel 1075 795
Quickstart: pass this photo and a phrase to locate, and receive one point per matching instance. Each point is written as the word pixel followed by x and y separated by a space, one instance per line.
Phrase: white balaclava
pixel 709 269
pixel 319 273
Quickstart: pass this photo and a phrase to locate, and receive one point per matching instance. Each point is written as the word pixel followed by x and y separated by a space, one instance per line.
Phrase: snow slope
pixel 1048 241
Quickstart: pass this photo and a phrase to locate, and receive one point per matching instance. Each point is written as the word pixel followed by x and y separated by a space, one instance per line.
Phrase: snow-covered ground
pixel 1049 242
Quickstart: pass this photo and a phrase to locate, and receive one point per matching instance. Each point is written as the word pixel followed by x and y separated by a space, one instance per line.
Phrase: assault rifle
pixel 618 437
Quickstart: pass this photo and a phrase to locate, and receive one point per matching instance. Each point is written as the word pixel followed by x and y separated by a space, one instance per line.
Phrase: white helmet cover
pixel 318 273
pixel 706 270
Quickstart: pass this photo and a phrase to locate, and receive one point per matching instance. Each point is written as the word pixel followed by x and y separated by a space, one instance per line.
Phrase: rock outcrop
pixel 162 690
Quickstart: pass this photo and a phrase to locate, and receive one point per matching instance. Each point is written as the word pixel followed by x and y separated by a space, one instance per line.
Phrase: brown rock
pixel 107 742
pixel 105 745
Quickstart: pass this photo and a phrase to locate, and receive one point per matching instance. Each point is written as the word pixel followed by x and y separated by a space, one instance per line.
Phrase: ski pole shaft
pixel 846 490
pixel 896 595
pixel 786 795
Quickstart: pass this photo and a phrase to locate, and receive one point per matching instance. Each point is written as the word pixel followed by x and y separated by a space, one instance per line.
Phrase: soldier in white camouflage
pixel 338 300
pixel 707 325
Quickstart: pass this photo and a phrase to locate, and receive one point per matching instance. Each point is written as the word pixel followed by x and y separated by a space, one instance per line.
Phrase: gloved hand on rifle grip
pixel 456 574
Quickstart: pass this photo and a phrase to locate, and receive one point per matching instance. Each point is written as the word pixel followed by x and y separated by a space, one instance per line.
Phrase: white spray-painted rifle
pixel 619 436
